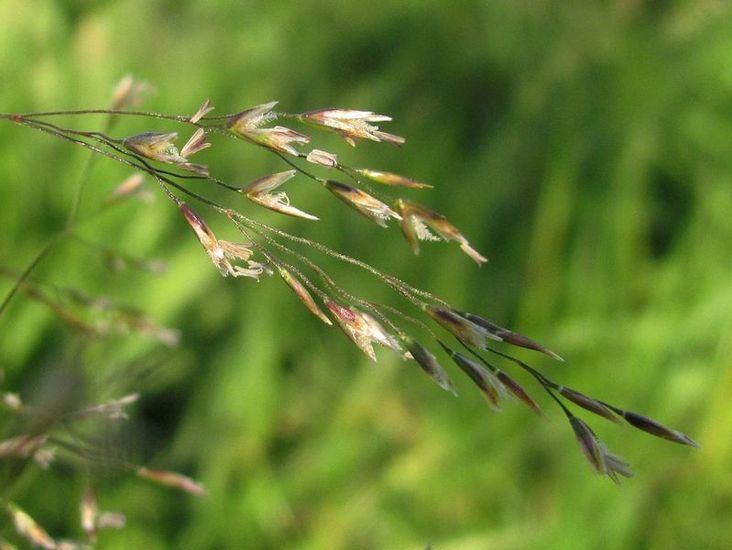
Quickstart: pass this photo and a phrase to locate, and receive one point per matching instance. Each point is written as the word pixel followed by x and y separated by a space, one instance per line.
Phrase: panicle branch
pixel 268 250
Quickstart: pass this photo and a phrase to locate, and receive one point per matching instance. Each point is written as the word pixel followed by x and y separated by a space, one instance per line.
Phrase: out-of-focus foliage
pixel 583 146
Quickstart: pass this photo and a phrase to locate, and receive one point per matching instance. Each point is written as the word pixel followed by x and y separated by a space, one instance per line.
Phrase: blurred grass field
pixel 583 146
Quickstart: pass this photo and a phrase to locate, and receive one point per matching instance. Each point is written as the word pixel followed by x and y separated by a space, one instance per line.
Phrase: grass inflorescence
pixel 263 251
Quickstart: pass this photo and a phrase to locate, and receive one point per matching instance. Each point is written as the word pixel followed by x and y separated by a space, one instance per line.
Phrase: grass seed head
pixel 429 364
pixel 161 147
pixel 415 223
pixel 487 382
pixel 252 118
pixel 588 403
pixel 303 294
pixel 504 335
pixel 323 158
pixel 196 143
pixel 260 192
pixel 379 334
pixel 89 511
pixel 279 139
pixel 352 124
pixel 466 331
pixel 155 146
pixel 27 527
pixel 173 480
pixel 202 111
pixel 362 202
pixel 602 460
pixel 391 179
pixel 518 390
pixel 362 329
pixel 653 427
pixel 354 326
pixel 222 253
pixel 21 446
pixel 248 124
pixel 130 92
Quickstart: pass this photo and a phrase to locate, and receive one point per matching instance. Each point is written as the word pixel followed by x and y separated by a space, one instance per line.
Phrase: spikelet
pixel 351 124
pixel 173 480
pixel 302 293
pixel 416 220
pixel 222 253
pixel 429 364
pixel 361 328
pixel 602 460
pixel 260 192
pixel 29 529
pixel 362 202
pixel 391 179
pixel 487 382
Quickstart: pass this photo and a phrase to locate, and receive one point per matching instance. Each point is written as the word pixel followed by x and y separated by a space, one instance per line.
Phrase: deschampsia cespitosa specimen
pixel 267 251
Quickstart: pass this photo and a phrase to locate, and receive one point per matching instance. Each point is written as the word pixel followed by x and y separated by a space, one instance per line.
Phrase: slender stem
pixel 45 127
pixel 112 112
pixel 27 271
pixel 112 143
pixel 411 293
pixel 84 177
pixel 20 480
pixel 397 284
pixel 299 168
pixel 528 368
pixel 408 318
pixel 144 166
pixel 548 385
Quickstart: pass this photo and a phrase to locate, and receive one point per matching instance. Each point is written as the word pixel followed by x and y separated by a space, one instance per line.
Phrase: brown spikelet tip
pixel 602 460
pixel 653 427
pixel 486 381
pixel 196 222
pixel 518 390
pixel 525 342
pixel 505 335
pixel 465 330
pixel 430 365
pixel 588 403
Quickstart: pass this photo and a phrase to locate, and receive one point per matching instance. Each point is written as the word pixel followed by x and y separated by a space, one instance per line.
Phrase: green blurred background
pixel 583 146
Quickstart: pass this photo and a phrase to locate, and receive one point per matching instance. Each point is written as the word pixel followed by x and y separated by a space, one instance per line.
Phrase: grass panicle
pixel 154 157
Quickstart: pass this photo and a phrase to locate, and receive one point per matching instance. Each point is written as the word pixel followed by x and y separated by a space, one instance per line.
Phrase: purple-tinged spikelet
pixel 602 460
pixel 586 402
pixel 429 364
pixel 466 331
pixel 656 428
